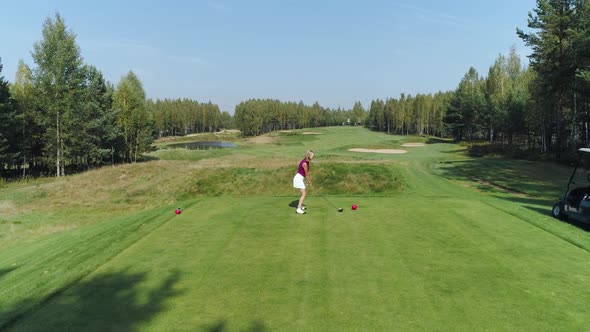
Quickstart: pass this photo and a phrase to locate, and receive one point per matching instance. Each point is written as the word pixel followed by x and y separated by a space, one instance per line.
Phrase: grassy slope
pixel 43 269
pixel 446 252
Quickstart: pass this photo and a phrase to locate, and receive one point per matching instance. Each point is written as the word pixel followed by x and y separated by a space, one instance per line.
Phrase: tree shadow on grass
pixel 530 200
pixel 107 302
pixel 541 211
pixel 435 140
pixel 506 176
pixel 454 151
pixel 221 325
pixel 531 187
pixel 147 158
pixel 582 226
pixel 7 270
pixel 547 212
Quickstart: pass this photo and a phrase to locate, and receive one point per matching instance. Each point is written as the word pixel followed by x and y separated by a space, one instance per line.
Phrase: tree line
pixel 63 116
pixel 186 116
pixel 544 107
pixel 259 116
pixel 419 115
pixel 497 107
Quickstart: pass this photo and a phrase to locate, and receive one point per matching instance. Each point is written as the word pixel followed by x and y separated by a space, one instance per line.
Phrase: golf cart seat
pixel 575 196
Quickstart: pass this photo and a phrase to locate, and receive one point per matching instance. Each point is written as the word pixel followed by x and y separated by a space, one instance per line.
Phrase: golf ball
pixel 354 207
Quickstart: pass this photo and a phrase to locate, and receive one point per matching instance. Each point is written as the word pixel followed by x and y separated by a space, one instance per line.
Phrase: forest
pixel 60 115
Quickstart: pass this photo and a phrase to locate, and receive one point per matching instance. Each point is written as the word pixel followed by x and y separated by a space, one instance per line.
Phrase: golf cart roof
pixel 585 158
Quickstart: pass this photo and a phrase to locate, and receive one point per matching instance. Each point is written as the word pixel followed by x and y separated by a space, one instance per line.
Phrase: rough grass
pixel 359 179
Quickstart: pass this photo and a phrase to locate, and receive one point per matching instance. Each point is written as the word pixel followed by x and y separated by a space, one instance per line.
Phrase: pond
pixel 201 145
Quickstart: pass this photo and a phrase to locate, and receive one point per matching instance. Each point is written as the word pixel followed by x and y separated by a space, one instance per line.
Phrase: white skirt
pixel 298 181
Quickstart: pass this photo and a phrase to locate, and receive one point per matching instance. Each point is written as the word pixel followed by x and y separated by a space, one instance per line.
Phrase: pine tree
pixel 8 127
pixel 95 141
pixel 554 62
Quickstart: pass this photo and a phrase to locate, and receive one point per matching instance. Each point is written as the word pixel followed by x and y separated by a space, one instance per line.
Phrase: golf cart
pixel 575 204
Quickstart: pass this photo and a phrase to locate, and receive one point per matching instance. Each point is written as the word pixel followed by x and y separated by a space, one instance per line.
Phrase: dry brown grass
pixel 60 204
pixel 221 135
pixel 387 151
pixel 263 139
pixel 7 208
pixel 53 228
pixel 241 160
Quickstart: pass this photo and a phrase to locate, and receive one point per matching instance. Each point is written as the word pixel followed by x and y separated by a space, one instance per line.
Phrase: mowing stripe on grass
pixel 72 255
pixel 470 267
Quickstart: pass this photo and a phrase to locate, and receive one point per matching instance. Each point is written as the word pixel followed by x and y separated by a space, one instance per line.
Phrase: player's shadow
pixel 294 203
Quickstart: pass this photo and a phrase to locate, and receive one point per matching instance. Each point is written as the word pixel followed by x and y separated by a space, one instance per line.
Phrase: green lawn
pixel 439 242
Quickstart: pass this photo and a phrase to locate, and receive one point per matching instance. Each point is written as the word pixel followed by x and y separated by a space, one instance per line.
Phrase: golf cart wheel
pixel 557 211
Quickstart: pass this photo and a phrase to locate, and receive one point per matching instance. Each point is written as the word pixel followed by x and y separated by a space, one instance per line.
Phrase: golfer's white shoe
pixel 300 211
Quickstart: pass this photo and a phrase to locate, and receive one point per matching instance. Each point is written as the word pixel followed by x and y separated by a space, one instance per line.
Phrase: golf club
pixel 322 196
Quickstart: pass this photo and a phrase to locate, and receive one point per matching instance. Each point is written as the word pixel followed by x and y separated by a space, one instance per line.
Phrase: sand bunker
pixel 390 151
pixel 311 133
pixel 413 144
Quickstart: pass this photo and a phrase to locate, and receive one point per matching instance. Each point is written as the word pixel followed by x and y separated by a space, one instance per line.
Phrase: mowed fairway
pixel 439 242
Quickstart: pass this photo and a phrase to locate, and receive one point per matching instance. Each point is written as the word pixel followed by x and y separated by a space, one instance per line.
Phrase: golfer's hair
pixel 308 154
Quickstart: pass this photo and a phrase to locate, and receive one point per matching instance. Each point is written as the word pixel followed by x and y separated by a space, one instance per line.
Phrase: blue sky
pixel 227 51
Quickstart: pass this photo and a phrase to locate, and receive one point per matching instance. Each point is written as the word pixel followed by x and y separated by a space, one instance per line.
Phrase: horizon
pixel 226 52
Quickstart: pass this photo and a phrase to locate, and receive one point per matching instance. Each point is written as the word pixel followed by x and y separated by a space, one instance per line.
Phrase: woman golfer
pixel 300 177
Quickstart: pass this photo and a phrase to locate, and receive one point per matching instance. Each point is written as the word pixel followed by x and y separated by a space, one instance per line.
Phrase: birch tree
pixel 57 80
